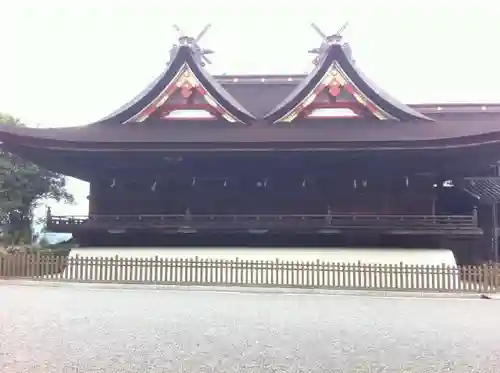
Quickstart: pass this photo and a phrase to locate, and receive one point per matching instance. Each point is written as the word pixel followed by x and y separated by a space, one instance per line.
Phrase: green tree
pixel 24 185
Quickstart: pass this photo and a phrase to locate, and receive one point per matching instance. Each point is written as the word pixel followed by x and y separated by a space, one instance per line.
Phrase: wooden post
pixel 494 225
pixel 494 229
pixel 475 216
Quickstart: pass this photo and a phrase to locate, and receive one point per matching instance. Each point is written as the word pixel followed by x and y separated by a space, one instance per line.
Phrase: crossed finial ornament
pixel 201 53
pixel 329 40
pixel 198 52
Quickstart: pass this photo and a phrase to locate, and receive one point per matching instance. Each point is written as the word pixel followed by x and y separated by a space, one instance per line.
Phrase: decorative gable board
pixel 184 85
pixel 335 85
pixel 336 75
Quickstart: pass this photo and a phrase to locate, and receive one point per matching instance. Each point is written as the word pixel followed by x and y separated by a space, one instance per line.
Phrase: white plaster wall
pixel 338 255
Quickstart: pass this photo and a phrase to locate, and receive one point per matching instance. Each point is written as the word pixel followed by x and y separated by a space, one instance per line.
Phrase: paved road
pixel 88 329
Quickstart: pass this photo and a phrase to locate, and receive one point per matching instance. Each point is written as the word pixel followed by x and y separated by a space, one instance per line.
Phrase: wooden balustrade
pixel 274 273
pixel 440 222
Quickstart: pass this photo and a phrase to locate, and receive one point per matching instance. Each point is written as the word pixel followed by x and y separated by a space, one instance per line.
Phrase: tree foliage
pixel 23 185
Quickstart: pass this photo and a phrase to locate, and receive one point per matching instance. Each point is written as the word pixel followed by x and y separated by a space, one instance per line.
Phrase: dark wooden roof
pixel 336 54
pixel 346 134
pixel 456 125
pixel 184 55
pixel 260 94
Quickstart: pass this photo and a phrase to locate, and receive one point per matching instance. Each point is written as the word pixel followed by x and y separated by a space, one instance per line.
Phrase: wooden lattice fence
pixel 277 273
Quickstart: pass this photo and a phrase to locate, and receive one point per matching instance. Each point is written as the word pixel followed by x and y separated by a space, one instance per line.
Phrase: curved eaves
pixel 183 56
pixel 392 135
pixel 376 95
pixel 139 98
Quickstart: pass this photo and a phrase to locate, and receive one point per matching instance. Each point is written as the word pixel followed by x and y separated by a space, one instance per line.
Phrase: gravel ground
pixel 89 328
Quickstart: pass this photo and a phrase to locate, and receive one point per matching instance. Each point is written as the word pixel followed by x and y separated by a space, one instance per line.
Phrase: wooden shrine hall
pixel 326 158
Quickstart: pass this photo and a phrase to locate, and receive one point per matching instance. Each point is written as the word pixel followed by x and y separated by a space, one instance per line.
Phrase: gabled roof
pixel 182 69
pixel 260 93
pixel 119 130
pixel 336 68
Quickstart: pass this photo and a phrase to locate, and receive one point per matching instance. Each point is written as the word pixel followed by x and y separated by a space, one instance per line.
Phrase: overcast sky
pixel 68 62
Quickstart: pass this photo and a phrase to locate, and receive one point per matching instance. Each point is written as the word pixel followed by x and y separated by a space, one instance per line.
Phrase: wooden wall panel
pixel 206 198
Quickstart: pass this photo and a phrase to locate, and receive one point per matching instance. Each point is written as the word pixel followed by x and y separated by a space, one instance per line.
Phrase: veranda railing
pixel 277 273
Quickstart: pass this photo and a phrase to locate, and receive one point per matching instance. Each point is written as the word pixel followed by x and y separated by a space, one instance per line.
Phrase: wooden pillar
pixel 494 217
pixel 485 221
pixel 91 198
pixel 494 232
